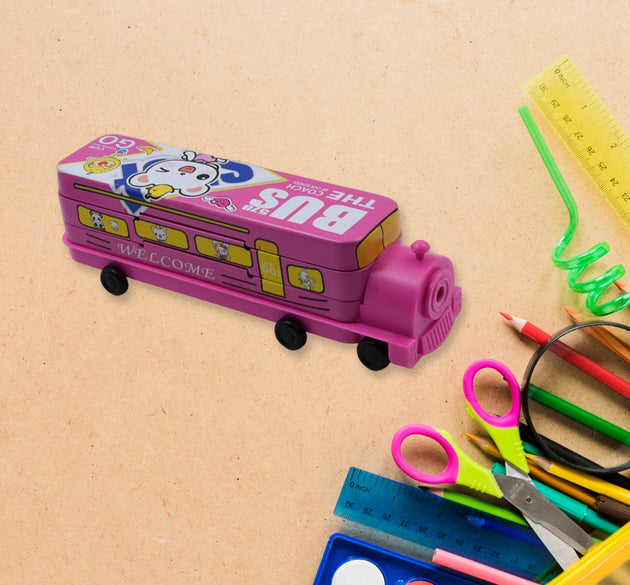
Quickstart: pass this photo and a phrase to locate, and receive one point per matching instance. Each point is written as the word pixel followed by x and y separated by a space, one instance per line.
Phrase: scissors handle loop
pixel 510 418
pixel 460 468
pixel 504 429
pixel 449 475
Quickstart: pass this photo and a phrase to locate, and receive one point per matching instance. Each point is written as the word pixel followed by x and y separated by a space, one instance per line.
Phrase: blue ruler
pixel 433 522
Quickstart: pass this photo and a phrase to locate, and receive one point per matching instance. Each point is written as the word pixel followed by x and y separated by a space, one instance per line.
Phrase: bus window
pixel 370 247
pixel 306 278
pixel 161 234
pixel 102 222
pixel 222 250
pixel 384 234
pixel 391 228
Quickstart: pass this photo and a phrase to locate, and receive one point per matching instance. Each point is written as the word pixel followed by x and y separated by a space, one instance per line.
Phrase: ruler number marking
pixel 588 128
pixel 429 521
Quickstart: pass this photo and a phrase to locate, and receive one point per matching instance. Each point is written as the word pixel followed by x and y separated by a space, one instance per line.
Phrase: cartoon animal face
pixel 97 220
pixel 222 249
pixel 159 233
pixel 185 176
pixel 306 280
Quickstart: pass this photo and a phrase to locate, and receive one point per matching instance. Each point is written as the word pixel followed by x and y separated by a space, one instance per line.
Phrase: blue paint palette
pixel 350 561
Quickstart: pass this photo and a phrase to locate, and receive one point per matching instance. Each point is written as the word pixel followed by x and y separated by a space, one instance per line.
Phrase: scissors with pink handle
pixel 559 533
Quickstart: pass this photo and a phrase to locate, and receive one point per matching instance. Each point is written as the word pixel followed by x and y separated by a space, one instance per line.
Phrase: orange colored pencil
pixel 605 505
pixel 566 487
pixel 605 336
pixel 597 484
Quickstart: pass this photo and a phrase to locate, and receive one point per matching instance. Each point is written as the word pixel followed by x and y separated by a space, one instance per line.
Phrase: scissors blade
pixel 520 491
pixel 562 552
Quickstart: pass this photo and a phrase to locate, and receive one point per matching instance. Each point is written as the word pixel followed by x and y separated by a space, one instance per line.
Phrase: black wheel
pixel 114 280
pixel 290 333
pixel 373 354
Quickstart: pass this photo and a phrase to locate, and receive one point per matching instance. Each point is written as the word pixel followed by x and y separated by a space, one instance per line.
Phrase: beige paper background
pixel 157 439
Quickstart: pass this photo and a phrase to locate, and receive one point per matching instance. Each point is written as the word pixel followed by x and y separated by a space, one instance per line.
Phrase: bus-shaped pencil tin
pixel 307 255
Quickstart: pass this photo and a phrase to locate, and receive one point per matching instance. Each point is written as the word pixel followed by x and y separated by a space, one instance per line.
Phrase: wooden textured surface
pixel 154 438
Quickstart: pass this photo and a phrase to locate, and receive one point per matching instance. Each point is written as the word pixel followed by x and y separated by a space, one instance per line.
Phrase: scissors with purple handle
pixel 561 535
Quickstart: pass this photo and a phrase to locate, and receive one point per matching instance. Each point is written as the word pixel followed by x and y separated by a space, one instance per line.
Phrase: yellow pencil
pixel 562 485
pixel 590 482
pixel 605 336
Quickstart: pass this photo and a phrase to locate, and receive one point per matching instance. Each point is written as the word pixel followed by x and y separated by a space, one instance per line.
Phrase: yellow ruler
pixel 588 128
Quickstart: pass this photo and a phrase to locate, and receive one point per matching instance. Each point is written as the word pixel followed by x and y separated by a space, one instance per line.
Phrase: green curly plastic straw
pixel 577 264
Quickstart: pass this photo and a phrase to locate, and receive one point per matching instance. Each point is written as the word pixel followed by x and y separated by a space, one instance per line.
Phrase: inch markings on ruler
pixel 433 522
pixel 588 128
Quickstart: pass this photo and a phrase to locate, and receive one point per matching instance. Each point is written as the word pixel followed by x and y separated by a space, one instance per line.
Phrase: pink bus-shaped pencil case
pixel 307 255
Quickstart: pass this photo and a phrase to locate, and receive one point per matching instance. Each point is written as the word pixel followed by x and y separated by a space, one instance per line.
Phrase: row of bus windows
pixel 267 252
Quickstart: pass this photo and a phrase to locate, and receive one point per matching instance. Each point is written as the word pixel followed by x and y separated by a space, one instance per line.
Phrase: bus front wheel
pixel 114 280
pixel 373 354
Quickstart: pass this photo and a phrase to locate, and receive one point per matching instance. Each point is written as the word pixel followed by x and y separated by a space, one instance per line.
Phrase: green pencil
pixel 579 414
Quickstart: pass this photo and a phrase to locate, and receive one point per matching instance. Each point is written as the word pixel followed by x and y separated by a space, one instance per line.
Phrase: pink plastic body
pixel 448 475
pixel 270 244
pixel 510 418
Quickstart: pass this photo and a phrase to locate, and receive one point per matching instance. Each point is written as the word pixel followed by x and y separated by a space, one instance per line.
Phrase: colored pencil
pixel 570 355
pixel 604 335
pixel 529 448
pixel 585 480
pixel 568 455
pixel 579 414
pixel 571 507
pixel 478 504
pixel 613 509
pixel 475 569
pixel 566 487
pixel 605 505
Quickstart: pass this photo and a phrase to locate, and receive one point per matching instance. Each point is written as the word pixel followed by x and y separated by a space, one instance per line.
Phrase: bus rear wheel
pixel 114 280
pixel 290 333
pixel 373 354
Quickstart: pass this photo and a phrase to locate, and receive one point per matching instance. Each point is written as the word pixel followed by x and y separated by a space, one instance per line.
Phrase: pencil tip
pixel 573 314
pixel 507 316
pixel 539 460
pixel 481 442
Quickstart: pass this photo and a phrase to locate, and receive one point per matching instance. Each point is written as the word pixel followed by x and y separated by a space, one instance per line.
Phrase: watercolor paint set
pixel 350 561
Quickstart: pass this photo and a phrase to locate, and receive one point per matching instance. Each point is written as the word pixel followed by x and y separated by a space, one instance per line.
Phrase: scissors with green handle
pixel 561 535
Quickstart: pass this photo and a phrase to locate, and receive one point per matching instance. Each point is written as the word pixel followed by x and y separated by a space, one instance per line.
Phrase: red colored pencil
pixel 570 355
pixel 622 287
